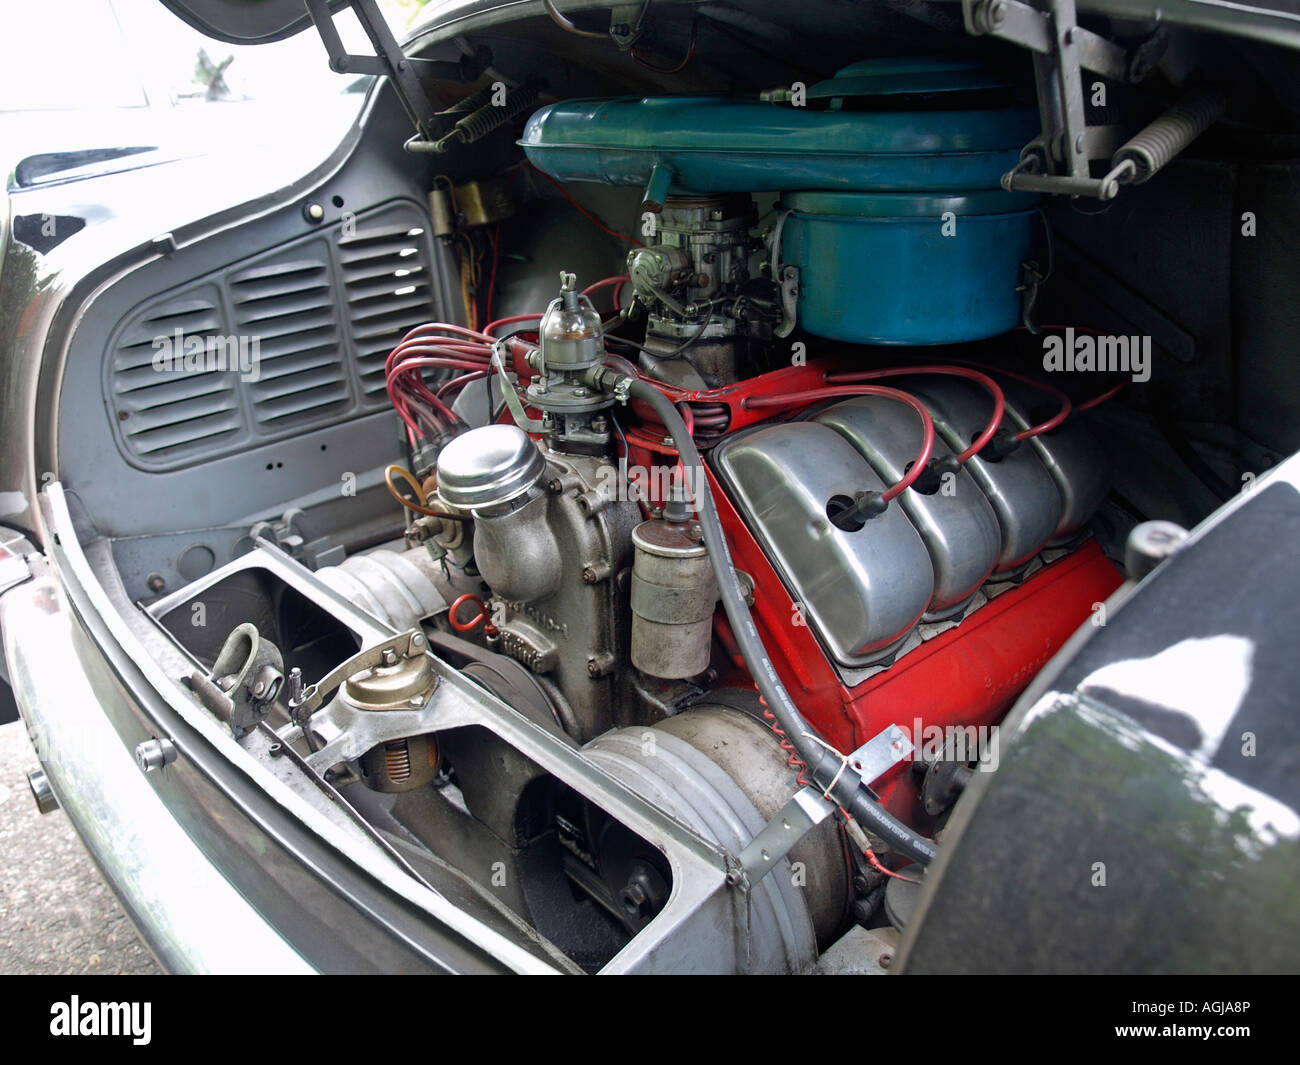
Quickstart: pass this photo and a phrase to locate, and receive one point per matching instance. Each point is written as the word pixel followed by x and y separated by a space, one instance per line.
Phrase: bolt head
pixel 154 754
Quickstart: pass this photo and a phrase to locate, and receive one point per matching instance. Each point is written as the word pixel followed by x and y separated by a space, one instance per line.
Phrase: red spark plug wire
pixel 813 394
pixel 989 385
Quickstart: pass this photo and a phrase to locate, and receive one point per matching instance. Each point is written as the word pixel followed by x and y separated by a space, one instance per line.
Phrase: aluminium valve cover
pixel 862 592
pixel 1023 494
pixel 955 519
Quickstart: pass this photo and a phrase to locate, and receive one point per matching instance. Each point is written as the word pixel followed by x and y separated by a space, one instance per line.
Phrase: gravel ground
pixel 56 913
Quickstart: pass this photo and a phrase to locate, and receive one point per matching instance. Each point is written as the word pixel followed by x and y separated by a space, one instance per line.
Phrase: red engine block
pixel 967 676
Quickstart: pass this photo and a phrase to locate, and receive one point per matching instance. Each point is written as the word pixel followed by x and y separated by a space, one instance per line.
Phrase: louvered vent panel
pixel 287 308
pixel 167 410
pixel 385 274
pixel 320 314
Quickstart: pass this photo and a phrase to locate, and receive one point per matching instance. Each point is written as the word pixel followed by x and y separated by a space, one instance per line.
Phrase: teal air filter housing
pixel 890 173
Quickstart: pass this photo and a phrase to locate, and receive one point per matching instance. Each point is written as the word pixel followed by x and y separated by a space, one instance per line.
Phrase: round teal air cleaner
pixel 901 268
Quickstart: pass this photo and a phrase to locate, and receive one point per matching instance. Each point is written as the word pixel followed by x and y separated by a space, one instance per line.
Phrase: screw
pixel 313 212
pixel 588 575
pixel 388 656
pixel 885 960
pixel 417 700
pixel 155 582
pixel 554 487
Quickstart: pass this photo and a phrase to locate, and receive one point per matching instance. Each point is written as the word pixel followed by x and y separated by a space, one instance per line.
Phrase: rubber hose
pixel 824 765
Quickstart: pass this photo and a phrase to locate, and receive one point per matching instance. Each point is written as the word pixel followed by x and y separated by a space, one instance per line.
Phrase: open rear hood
pixel 263 21
pixel 246 21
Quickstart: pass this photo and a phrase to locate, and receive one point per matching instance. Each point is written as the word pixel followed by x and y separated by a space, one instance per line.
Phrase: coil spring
pixel 479 123
pixel 397 760
pixel 472 102
pixel 793 758
pixel 1158 143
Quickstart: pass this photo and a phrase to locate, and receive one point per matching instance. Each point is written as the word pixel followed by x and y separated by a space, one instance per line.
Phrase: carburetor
pixel 690 280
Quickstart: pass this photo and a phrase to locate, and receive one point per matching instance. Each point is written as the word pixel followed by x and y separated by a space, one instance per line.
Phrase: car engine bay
pixel 690 476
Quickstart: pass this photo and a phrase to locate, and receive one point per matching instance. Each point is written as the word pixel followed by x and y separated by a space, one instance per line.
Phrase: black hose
pixel 824 765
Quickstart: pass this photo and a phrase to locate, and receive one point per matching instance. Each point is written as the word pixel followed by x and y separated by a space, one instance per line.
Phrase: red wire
pixel 492 327
pixel 1060 397
pixel 481 618
pixel 583 211
pixel 618 282
pixel 793 758
pixel 637 53
pixel 990 385
pixel 1097 401
pixel 457 383
pixel 814 394
pixel 875 864
pixel 492 282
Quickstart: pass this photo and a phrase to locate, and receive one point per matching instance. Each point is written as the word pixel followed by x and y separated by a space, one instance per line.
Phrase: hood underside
pixel 264 21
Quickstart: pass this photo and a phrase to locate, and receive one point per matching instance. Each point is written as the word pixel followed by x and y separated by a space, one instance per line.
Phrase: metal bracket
pixel 510 394
pixel 408 644
pixel 389 61
pixel 809 808
pixel 789 286
pixel 1058 160
pixel 625 24
pixel 797 818
pixel 283 533
pixel 880 754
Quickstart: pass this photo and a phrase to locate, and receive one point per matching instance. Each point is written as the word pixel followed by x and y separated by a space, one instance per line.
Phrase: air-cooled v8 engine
pixel 728 588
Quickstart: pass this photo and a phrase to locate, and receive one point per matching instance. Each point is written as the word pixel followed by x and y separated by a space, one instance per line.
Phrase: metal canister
pixel 396 683
pixel 673 598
